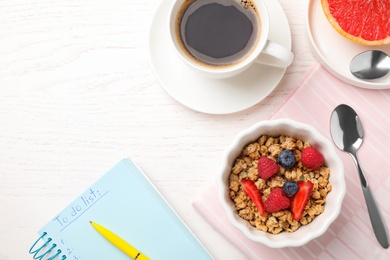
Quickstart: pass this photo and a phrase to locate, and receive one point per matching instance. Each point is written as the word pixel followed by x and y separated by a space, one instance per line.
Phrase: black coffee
pixel 218 32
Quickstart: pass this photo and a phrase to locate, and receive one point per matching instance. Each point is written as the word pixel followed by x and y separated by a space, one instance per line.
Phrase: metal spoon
pixel 347 133
pixel 370 65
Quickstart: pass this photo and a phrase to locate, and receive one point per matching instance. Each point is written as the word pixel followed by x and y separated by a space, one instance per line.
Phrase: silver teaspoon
pixel 370 65
pixel 347 133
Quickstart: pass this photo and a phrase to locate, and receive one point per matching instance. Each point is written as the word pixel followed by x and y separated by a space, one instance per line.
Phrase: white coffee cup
pixel 263 51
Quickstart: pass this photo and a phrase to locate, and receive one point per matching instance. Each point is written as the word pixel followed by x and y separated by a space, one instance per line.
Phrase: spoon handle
pixel 377 222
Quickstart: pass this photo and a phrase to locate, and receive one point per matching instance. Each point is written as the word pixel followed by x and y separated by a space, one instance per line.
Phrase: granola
pixel 245 166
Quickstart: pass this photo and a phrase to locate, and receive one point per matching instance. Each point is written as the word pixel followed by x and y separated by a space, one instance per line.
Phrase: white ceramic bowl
pixel 334 199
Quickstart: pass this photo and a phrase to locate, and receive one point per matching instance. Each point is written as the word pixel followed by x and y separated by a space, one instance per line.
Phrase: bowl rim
pixel 288 239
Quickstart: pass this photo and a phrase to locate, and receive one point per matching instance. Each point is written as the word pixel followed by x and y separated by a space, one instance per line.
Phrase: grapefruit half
pixel 365 22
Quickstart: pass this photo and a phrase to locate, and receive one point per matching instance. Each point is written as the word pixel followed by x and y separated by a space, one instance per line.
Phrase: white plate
pixel 335 52
pixel 214 96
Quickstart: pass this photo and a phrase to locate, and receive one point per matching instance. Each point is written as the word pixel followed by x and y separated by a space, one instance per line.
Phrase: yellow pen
pixel 119 242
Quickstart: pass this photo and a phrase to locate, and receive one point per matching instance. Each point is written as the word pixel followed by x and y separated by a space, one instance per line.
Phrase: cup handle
pixel 275 55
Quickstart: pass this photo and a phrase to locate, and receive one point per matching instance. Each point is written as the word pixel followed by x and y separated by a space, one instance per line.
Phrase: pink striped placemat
pixel 351 235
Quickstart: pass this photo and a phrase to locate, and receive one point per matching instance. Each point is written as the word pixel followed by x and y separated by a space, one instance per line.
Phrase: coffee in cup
pixel 217 32
pixel 221 38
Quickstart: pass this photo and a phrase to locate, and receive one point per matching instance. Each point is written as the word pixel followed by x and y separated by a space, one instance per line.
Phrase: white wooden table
pixel 77 94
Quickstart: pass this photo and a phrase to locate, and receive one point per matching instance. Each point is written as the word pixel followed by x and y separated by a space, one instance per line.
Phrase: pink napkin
pixel 351 235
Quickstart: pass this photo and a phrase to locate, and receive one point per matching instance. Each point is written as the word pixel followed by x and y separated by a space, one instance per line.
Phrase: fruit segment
pixel 362 21
pixel 251 190
pixel 301 198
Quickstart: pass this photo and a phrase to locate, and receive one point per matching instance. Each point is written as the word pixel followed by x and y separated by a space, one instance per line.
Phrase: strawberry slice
pixel 254 194
pixel 301 198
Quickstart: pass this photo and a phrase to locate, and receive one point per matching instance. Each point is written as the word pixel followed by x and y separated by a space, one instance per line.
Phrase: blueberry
pixel 286 158
pixel 290 187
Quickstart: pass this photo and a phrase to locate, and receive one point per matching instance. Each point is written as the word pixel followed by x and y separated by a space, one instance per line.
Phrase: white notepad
pixel 126 202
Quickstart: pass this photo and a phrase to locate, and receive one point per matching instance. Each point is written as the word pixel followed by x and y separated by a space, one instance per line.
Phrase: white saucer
pixel 214 96
pixel 335 52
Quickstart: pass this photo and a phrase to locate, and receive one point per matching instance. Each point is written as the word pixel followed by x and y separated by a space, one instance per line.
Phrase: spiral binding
pixel 40 257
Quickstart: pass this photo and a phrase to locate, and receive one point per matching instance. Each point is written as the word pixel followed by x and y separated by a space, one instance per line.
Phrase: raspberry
pixel 286 158
pixel 267 167
pixel 311 158
pixel 276 201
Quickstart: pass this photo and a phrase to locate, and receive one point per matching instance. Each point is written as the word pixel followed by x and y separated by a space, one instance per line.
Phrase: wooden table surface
pixel 78 94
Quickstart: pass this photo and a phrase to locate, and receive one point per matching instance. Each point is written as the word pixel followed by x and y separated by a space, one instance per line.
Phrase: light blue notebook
pixel 127 203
